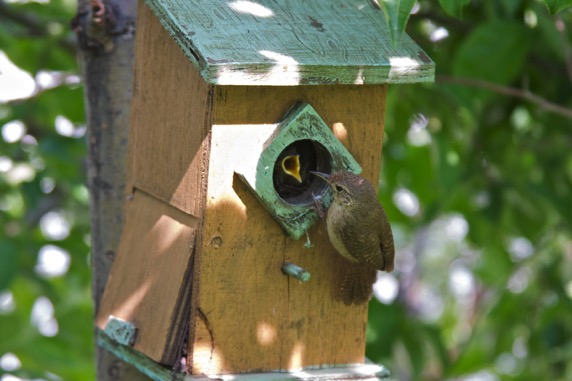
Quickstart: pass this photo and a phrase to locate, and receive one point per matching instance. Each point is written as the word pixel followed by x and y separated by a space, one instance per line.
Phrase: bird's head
pixel 346 186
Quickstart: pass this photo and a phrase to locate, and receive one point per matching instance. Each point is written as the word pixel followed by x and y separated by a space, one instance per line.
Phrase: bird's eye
pixel 339 188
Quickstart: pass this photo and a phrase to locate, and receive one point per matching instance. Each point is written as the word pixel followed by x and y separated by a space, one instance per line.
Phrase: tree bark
pixel 106 31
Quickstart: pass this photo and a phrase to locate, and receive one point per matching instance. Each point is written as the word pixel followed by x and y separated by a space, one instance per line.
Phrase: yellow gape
pixel 291 166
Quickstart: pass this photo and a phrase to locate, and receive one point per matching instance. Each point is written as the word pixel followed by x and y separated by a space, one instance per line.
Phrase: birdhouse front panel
pixel 249 315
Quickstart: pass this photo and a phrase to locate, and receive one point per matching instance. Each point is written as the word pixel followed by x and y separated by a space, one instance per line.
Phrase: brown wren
pixel 359 230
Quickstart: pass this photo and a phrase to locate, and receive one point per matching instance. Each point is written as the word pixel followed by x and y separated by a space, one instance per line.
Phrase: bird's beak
pixel 291 166
pixel 323 176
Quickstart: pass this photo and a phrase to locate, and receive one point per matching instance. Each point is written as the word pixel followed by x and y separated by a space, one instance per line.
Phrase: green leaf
pixel 396 15
pixel 414 343
pixel 555 6
pixel 454 7
pixel 495 51
pixel 435 338
pixel 8 263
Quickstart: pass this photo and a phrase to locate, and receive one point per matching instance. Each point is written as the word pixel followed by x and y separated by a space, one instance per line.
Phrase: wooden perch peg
pixel 295 271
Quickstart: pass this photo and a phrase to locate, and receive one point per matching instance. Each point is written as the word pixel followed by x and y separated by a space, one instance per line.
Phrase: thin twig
pixel 33 25
pixel 508 91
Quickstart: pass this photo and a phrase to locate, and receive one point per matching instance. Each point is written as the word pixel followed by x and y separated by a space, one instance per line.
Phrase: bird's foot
pixel 308 244
pixel 318 206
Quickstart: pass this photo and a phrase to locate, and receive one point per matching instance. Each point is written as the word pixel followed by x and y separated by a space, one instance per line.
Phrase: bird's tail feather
pixel 356 286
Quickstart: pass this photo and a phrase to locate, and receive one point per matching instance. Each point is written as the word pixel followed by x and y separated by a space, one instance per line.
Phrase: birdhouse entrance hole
pixel 277 167
pixel 291 175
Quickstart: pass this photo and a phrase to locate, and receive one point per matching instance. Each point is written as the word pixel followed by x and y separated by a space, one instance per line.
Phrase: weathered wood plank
pixel 355 113
pixel 253 317
pixel 170 120
pixel 367 372
pixel 294 42
pixel 149 283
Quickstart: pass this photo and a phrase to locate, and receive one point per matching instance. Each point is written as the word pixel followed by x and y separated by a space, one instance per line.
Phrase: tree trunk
pixel 106 31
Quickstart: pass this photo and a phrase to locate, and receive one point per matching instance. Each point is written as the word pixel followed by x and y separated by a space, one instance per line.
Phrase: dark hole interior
pixel 291 175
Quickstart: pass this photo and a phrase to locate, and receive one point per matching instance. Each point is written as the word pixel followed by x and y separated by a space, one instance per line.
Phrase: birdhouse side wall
pixel 171 117
pixel 169 141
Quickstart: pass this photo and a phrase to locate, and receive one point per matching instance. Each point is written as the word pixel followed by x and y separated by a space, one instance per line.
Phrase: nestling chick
pixel 291 174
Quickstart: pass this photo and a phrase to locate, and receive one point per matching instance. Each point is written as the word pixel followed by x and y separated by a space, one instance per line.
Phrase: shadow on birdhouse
pixel 278 169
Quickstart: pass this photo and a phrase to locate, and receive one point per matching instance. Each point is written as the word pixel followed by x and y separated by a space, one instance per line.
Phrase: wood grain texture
pixel 149 281
pixel 252 317
pixel 294 42
pixel 354 113
pixel 170 120
pixel 367 372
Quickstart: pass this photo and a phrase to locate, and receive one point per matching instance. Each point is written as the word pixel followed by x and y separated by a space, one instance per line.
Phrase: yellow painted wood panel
pixel 149 283
pixel 355 113
pixel 170 120
pixel 254 318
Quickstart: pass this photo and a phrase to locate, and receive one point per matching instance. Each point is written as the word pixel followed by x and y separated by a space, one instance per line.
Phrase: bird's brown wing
pixel 386 242
pixel 373 244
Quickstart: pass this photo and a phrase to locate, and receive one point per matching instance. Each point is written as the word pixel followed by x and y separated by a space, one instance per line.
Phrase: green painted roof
pixel 291 42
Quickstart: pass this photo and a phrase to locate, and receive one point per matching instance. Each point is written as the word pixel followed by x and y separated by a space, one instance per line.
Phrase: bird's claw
pixel 318 206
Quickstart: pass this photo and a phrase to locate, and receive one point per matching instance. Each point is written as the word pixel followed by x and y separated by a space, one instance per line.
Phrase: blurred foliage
pixel 477 180
pixel 45 311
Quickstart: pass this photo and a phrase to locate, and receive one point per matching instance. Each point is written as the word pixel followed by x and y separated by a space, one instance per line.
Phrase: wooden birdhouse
pixel 234 103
